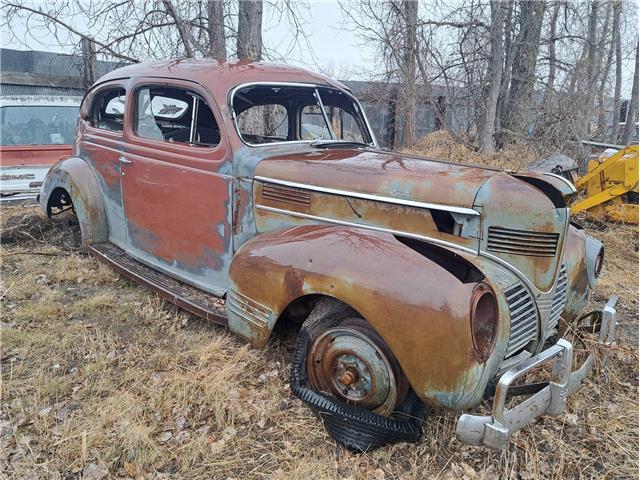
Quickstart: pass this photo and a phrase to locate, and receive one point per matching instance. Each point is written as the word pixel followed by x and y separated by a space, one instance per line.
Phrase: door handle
pixel 124 160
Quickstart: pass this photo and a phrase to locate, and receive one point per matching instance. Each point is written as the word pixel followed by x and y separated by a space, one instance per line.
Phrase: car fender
pixel 419 308
pixel 76 177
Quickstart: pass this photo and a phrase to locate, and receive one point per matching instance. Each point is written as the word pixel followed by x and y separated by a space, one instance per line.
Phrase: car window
pixel 107 110
pixel 286 113
pixel 37 125
pixel 264 123
pixel 175 115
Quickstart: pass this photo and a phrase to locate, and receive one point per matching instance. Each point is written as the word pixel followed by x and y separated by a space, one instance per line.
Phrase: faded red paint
pixel 32 155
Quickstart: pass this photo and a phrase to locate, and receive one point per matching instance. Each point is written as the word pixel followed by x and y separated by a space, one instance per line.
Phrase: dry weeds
pixel 101 379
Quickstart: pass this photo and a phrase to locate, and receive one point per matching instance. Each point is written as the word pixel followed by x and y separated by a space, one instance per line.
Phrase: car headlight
pixel 484 319
pixel 594 259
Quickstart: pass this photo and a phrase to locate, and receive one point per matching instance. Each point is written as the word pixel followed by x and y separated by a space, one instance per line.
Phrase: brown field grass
pixel 102 379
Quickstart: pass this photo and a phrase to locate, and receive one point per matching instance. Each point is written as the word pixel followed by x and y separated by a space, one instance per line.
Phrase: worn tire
pixel 355 428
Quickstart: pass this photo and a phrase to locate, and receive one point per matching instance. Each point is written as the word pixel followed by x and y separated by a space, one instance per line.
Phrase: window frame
pixel 89 117
pixel 134 108
pixel 310 85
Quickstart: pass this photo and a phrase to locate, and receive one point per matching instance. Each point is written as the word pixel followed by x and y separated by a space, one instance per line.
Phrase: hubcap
pixel 349 361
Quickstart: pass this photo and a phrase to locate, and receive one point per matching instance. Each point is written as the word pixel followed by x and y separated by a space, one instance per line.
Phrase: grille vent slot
pixel 522 242
pixel 524 319
pixel 559 299
pixel 280 193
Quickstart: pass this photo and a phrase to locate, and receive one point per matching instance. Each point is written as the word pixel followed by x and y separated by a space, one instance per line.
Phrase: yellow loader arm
pixel 605 183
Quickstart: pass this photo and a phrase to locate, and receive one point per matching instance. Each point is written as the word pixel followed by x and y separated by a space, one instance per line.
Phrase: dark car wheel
pixel 347 374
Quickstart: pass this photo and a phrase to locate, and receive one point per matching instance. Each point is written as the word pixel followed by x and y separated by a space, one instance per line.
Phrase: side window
pixel 175 115
pixel 107 110
pixel 264 124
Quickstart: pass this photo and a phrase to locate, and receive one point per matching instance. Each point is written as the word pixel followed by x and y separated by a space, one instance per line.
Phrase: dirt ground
pixel 102 379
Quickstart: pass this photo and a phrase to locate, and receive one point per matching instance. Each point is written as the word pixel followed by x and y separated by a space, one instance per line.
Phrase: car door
pixel 101 143
pixel 176 183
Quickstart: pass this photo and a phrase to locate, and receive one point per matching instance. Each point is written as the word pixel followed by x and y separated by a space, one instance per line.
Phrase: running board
pixel 192 299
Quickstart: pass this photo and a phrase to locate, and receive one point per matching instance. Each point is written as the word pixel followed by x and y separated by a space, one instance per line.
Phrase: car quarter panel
pixel 419 308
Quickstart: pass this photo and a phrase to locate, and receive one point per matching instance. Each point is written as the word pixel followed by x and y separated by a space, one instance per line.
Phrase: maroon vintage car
pixel 252 194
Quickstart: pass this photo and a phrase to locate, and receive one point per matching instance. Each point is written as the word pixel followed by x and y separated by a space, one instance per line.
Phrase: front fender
pixel 419 308
pixel 76 177
pixel 580 282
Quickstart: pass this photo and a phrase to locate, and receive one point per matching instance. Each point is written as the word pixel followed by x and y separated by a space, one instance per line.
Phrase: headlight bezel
pixel 483 319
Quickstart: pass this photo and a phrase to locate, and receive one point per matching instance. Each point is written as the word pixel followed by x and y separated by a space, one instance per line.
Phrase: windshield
pixel 37 125
pixel 275 113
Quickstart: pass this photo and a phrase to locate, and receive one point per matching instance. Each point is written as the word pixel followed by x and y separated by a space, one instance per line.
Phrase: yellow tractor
pixel 611 187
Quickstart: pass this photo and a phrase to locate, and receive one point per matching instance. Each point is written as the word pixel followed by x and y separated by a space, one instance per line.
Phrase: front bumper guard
pixel 494 430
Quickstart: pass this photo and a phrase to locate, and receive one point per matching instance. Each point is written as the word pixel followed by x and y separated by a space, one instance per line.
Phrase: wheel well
pixel 59 202
pixel 299 309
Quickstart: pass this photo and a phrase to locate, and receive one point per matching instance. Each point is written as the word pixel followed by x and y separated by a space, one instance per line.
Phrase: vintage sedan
pixel 252 194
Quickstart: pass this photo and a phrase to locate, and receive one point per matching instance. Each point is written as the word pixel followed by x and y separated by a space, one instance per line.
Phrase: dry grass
pixel 442 145
pixel 101 379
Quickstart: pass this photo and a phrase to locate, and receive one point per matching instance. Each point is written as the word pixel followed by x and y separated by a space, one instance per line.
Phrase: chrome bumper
pixel 494 430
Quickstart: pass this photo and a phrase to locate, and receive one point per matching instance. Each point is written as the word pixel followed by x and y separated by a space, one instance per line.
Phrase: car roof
pixel 220 76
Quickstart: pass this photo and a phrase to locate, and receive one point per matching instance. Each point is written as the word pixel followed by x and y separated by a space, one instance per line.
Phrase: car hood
pixel 380 173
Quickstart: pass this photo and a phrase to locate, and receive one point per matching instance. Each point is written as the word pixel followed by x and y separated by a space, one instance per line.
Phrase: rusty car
pixel 35 132
pixel 253 194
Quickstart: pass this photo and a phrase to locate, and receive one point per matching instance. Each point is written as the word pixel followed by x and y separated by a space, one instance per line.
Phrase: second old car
pixel 254 194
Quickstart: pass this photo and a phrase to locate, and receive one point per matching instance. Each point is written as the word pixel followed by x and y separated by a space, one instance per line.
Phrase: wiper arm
pixel 338 144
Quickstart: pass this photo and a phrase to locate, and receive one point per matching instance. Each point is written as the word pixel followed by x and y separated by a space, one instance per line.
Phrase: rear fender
pixel 76 177
pixel 418 307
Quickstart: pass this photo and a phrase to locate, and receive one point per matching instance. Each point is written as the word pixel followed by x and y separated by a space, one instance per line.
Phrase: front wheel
pixel 347 374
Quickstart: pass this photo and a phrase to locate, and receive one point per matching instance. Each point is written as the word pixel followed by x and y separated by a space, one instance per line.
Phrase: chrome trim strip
pixel 560 177
pixel 374 141
pixel 367 196
pixel 367 227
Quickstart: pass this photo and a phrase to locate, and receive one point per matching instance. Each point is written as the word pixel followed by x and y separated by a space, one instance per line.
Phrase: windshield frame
pixel 311 86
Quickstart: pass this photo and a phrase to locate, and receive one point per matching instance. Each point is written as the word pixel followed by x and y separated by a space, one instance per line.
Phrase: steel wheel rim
pixel 349 364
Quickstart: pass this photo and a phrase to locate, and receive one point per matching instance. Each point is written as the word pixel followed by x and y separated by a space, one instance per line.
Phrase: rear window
pixel 107 110
pixel 37 125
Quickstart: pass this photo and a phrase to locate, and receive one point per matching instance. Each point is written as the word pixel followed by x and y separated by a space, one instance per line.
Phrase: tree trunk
pixel 508 61
pixel 410 13
pixel 523 70
pixel 632 109
pixel 215 20
pixel 551 79
pixel 493 80
pixel 183 28
pixel 249 45
pixel 618 86
pixel 589 91
pixel 604 74
pixel 89 66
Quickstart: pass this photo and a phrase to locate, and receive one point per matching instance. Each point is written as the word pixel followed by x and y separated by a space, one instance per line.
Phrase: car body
pixel 253 194
pixel 37 131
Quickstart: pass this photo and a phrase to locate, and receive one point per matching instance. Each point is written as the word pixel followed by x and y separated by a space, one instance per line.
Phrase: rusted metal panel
pixel 417 307
pixel 76 177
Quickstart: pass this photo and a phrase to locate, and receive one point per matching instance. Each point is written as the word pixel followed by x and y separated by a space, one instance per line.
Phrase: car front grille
pixel 524 318
pixel 559 299
pixel 524 314
pixel 522 242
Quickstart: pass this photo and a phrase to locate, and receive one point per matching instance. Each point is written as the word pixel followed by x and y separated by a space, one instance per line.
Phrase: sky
pixel 330 47
pixel 336 51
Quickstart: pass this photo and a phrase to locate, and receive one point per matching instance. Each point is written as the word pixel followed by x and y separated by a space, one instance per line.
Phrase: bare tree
pixel 249 43
pixel 618 82
pixel 493 79
pixel 632 109
pixel 215 20
pixel 526 48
